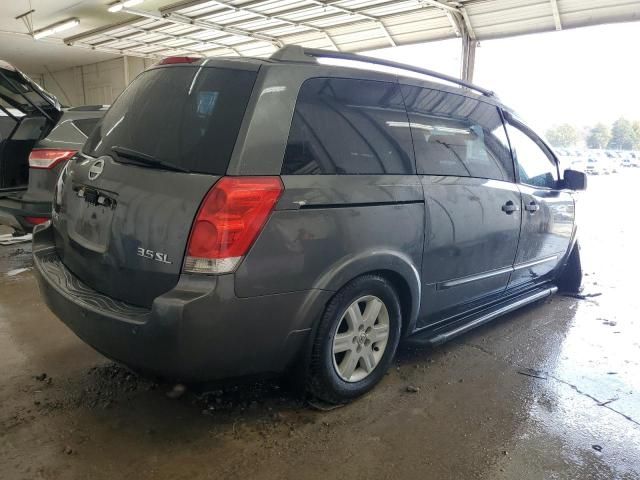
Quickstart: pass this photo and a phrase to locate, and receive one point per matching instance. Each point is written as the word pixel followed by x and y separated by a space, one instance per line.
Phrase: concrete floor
pixel 552 391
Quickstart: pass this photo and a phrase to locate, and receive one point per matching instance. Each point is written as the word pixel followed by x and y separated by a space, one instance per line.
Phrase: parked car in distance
pixel 631 159
pixel 29 175
pixel 625 159
pixel 570 159
pixel 239 216
pixel 595 166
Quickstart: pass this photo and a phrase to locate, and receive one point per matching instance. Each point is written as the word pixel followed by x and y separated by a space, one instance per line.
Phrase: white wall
pixel 97 83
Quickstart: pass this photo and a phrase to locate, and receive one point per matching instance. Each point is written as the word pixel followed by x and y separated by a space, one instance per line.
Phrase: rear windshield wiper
pixel 146 159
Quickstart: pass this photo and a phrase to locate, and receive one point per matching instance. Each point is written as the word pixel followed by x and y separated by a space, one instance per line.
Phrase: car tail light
pixel 228 222
pixel 47 158
pixel 172 60
pixel 36 220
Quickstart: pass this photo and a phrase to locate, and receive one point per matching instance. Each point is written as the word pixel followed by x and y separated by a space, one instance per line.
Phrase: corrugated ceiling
pixel 259 27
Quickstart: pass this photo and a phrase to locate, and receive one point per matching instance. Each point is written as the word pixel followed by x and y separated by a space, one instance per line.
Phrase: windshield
pixel 187 116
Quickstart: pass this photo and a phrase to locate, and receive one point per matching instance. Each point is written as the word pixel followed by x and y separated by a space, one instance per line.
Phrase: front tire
pixel 570 278
pixel 356 340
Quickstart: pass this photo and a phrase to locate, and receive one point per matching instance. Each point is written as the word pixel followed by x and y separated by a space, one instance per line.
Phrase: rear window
pixel 188 116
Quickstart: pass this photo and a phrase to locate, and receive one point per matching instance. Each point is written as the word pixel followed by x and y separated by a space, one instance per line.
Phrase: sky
pixel 580 76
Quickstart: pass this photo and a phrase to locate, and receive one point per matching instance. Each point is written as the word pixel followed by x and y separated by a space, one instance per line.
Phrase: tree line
pixel 622 135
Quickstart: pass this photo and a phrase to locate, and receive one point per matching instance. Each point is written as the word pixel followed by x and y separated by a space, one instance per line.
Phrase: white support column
pixel 467 23
pixel 469 42
pixel 454 23
pixel 461 24
pixel 125 59
pixel 468 57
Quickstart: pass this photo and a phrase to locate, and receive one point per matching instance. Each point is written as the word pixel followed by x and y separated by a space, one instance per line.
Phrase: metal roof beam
pixel 296 10
pixel 230 29
pixel 97 31
pixel 454 23
pixel 359 13
pixel 318 3
pixel 161 47
pixel 86 46
pixel 178 18
pixel 130 24
pixel 453 14
pixel 114 51
pixel 441 5
pixel 350 11
pixel 461 23
pixel 467 23
pixel 71 41
pixel 257 14
pixel 556 14
pixel 214 45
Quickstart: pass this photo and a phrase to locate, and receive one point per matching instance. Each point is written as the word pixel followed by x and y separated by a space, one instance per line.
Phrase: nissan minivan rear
pixel 147 231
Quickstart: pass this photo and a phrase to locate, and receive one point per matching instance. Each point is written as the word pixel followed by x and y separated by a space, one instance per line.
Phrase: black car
pixel 30 163
pixel 236 216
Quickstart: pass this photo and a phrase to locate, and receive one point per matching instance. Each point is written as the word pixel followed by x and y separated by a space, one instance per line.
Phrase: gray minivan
pixel 237 216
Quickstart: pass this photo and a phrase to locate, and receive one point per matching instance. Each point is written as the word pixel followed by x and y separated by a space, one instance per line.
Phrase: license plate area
pixel 90 215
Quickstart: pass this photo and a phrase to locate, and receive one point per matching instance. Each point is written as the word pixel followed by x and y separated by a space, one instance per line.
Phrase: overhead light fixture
pixel 117 6
pixel 56 28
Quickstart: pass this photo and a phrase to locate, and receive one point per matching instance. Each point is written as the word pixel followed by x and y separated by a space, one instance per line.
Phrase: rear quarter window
pixel 349 126
pixel 66 132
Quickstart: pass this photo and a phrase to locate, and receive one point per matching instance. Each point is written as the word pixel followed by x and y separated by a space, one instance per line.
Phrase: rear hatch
pixel 124 208
pixel 28 115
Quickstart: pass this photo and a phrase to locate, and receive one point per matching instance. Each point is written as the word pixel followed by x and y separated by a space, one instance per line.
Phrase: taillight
pixel 49 157
pixel 36 220
pixel 228 222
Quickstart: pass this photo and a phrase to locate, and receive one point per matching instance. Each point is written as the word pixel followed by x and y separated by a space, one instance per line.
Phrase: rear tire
pixel 570 279
pixel 356 340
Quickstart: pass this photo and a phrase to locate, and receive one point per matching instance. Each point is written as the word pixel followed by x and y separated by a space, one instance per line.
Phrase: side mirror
pixel 575 180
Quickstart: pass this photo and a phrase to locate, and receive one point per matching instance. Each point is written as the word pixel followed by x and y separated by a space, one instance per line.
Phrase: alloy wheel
pixel 361 338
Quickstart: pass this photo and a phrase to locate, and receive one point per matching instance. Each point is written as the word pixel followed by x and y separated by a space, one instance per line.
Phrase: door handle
pixel 532 207
pixel 509 207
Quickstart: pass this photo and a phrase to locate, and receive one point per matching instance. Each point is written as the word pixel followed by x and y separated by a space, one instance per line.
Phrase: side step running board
pixel 464 325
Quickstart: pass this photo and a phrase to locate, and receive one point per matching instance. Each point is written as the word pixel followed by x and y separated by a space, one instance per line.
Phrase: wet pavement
pixel 551 391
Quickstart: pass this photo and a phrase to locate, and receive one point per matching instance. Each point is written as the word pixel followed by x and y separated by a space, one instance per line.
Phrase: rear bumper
pixel 197 331
pixel 13 210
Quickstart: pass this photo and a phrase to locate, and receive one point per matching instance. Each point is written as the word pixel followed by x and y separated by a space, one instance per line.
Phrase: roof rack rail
pixel 296 53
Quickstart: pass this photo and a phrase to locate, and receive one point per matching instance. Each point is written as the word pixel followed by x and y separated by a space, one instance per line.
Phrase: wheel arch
pixel 395 267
